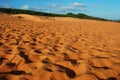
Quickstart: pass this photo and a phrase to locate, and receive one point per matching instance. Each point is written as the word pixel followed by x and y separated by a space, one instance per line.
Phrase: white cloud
pixel 53 5
pixel 5 6
pixel 25 7
pixel 48 11
pixel 77 4
pixel 37 8
pixel 67 8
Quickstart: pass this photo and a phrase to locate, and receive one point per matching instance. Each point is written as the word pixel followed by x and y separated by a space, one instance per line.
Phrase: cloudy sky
pixel 100 8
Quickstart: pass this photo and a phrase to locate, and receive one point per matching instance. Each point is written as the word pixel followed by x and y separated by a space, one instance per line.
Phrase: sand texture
pixel 52 48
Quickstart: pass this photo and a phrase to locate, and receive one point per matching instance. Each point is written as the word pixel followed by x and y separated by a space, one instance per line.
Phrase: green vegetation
pixel 19 11
pixel 117 20
pixel 84 16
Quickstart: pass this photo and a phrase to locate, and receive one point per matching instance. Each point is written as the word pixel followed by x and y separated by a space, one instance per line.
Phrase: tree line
pixel 19 11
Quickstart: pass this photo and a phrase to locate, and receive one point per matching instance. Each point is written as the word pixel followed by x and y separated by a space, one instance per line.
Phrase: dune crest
pixel 28 17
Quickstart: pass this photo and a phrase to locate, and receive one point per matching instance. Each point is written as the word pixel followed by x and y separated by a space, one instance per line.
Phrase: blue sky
pixel 100 8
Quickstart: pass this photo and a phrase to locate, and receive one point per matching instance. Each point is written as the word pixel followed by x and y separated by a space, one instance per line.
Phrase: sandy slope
pixel 58 49
pixel 34 18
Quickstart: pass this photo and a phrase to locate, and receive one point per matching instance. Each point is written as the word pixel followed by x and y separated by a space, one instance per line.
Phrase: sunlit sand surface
pixel 57 48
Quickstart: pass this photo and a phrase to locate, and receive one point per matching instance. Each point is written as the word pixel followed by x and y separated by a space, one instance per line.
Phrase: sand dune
pixel 58 48
pixel 29 17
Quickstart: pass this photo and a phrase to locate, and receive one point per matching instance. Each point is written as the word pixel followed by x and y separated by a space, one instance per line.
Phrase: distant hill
pixel 84 16
pixel 117 20
pixel 19 11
